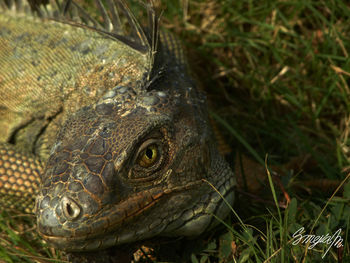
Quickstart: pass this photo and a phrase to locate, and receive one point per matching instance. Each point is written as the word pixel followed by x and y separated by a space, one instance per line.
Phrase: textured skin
pixel 94 111
pixel 19 178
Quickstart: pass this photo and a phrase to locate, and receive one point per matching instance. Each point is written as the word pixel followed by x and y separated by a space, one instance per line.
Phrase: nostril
pixel 70 208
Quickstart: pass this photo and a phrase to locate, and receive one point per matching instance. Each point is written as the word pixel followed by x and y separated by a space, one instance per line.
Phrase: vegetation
pixel 277 77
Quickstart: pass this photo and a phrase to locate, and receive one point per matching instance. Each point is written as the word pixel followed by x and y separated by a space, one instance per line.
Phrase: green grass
pixel 277 77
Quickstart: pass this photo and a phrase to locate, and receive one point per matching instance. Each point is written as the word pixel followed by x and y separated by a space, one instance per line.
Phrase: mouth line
pixel 123 212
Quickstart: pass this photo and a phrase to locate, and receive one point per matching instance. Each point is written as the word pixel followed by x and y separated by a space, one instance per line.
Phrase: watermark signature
pixel 332 240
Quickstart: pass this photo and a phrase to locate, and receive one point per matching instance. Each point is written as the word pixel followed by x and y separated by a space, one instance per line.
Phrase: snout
pixel 57 216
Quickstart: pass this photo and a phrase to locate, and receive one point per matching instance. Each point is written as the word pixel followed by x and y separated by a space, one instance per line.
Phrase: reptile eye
pixel 148 156
pixel 149 160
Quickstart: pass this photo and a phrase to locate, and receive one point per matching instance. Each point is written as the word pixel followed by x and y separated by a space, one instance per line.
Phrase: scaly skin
pixel 123 135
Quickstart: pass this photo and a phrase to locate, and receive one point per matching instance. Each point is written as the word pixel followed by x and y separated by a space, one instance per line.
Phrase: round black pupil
pixel 149 153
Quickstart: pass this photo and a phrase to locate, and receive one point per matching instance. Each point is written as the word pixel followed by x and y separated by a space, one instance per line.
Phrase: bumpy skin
pixel 94 109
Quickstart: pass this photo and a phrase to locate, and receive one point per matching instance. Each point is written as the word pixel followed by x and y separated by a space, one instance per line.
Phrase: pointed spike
pixel 68 11
pixel 76 16
pixel 55 9
pixel 40 10
pixel 66 7
pixel 108 26
pixel 151 80
pixel 154 22
pixel 154 25
pixel 139 34
pixel 86 16
pixel 117 25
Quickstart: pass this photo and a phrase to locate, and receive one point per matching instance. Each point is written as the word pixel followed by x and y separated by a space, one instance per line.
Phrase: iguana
pixel 104 126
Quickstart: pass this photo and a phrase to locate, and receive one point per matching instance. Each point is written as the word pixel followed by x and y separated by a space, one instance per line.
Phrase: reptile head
pixel 126 171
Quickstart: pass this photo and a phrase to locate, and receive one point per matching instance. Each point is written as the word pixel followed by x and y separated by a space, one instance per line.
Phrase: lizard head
pixel 131 168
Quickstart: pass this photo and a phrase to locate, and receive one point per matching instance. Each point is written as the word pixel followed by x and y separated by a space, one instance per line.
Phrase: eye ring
pixel 148 160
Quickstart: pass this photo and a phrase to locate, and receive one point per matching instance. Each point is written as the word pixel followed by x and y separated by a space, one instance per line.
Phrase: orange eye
pixel 148 156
